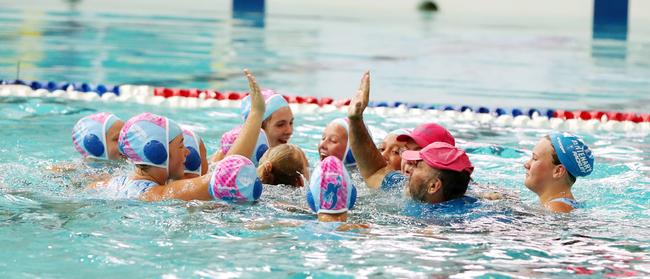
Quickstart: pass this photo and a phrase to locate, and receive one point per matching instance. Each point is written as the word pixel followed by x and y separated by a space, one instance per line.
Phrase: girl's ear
pixel 559 171
pixel 266 173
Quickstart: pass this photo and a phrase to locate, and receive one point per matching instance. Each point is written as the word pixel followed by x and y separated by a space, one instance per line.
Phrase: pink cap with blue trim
pixel 331 190
pixel 235 179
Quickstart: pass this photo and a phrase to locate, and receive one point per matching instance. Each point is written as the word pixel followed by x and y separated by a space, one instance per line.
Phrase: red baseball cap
pixel 441 155
pixel 428 133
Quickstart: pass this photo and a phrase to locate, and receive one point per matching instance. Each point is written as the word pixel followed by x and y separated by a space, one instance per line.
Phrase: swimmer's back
pixel 123 187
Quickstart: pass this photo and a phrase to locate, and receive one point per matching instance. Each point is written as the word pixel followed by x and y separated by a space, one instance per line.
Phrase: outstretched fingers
pixel 364 88
pixel 252 83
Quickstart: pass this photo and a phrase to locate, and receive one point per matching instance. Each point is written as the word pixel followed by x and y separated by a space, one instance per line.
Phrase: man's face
pixel 420 180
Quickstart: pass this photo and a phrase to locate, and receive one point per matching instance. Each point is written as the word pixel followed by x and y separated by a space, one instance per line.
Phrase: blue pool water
pixel 51 227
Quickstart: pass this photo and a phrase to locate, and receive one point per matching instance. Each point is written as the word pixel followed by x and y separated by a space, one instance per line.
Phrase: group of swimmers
pixel 172 163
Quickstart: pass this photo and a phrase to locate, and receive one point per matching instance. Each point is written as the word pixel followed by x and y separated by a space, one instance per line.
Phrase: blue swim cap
pixel 145 139
pixel 193 161
pixel 89 135
pixel 273 102
pixel 573 153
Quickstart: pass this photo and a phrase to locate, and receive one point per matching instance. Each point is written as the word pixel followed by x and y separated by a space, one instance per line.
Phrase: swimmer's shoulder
pixel 562 206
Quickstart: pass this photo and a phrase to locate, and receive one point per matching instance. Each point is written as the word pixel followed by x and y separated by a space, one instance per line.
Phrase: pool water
pixel 51 227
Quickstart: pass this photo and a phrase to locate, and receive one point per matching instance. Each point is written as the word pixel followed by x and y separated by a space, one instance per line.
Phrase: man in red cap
pixel 425 134
pixel 440 171
pixel 422 136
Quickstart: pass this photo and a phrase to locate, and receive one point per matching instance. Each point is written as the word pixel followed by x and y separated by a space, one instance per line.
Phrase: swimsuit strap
pixel 570 202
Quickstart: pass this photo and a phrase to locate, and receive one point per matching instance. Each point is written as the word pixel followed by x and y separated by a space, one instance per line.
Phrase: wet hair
pixel 282 165
pixel 266 121
pixel 556 161
pixel 454 183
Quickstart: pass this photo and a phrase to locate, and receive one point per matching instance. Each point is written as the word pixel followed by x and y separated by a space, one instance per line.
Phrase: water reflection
pixel 610 26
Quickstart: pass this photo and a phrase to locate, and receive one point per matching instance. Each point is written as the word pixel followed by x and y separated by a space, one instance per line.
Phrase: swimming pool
pixel 49 227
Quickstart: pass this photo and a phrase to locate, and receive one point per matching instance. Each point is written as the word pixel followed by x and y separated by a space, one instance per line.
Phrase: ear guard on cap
pixel 94 145
pixel 261 147
pixel 193 160
pixel 331 190
pixel 155 152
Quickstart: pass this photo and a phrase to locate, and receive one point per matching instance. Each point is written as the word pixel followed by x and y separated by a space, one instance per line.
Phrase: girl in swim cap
pixel 556 161
pixel 334 142
pixel 156 146
pixel 284 164
pixel 330 194
pixel 278 117
pixel 95 136
pixel 390 148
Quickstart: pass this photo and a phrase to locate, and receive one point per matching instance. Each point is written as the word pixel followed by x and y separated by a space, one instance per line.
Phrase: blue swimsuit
pixel 122 187
pixel 393 180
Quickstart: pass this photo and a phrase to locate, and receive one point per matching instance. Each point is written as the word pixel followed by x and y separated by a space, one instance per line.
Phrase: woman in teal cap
pixel 557 160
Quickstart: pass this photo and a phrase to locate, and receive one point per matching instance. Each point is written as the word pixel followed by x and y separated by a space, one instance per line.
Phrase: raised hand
pixel 360 101
pixel 257 100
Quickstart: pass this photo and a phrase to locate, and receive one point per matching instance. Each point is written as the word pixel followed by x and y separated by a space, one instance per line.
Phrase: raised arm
pixel 245 143
pixel 197 188
pixel 371 164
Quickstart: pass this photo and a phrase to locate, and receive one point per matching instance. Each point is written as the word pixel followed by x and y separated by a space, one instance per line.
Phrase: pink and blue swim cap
pixel 145 139
pixel 193 160
pixel 235 179
pixel 89 135
pixel 573 153
pixel 330 188
pixel 273 102
pixel 261 146
pixel 348 158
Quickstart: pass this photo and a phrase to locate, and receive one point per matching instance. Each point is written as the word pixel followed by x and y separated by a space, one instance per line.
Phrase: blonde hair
pixel 282 164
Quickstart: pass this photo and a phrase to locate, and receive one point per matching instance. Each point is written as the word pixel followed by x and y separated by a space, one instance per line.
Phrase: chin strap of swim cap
pixel 167 143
